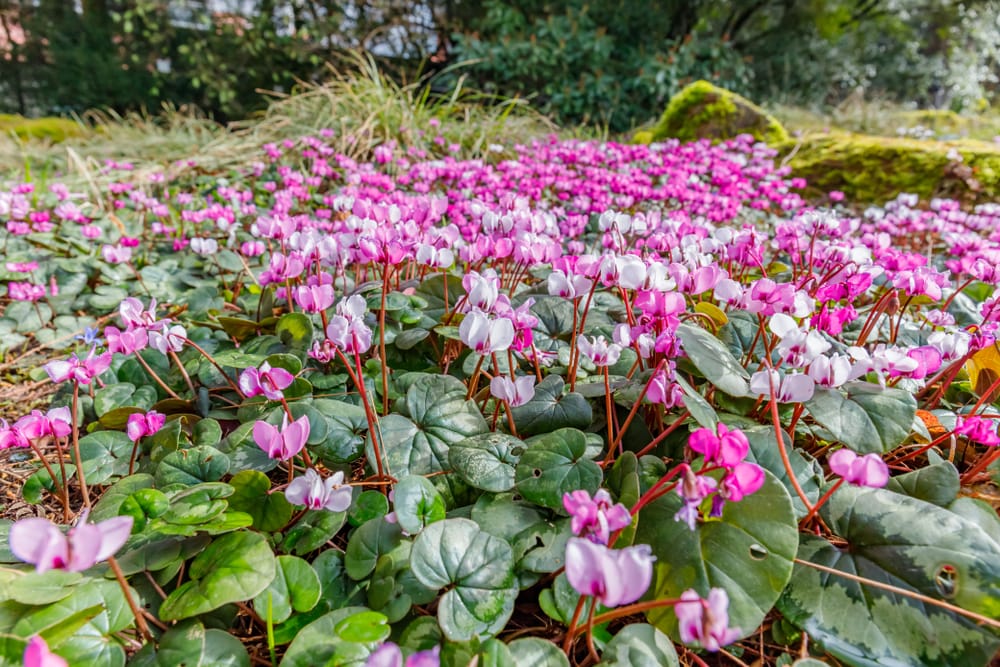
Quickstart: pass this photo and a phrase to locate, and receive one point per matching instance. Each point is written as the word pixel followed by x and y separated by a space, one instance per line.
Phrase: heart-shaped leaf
pixel 233 568
pixel 417 503
pixel 748 552
pixel 551 409
pixel 863 416
pixel 251 494
pixel 555 464
pixel 478 569
pixel 296 587
pixel 191 645
pixel 714 360
pixel 639 645
pixel 487 461
pixel 909 544
pixel 191 466
pixel 320 643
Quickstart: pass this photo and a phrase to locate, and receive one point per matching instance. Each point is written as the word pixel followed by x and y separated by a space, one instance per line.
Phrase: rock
pixel 702 110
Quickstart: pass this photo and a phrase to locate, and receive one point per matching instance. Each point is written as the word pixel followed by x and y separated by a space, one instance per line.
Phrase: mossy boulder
pixel 870 169
pixel 50 128
pixel 703 110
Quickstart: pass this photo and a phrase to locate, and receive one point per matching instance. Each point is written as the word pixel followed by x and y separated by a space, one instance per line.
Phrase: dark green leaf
pixel 551 409
pixel 555 464
pixel 867 418
pixel 487 461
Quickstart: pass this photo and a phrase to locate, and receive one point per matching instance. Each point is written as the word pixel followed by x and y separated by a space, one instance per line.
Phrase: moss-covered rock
pixel 870 169
pixel 51 128
pixel 702 110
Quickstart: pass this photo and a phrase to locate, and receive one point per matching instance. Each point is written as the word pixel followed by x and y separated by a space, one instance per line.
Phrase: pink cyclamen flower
pixel 270 382
pixel 141 425
pixel 126 342
pixel 39 542
pixel 283 443
pixel 725 447
pixel 314 298
pixel 171 339
pixel 37 654
pixel 790 388
pixel 349 334
pixel 595 518
pixel 134 314
pixel 57 423
pixel 515 392
pixel 867 470
pixel 78 370
pixel 599 350
pixel 705 622
pixel 743 479
pixel 390 655
pixel 614 576
pixel 316 493
pixel 485 335
pixel 12 436
pixel 693 489
pixel 977 429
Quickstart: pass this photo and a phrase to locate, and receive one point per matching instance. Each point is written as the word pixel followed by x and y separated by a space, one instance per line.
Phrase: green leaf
pixel 536 651
pixel 364 627
pixel 487 461
pixel 296 587
pixel 714 360
pixel 937 483
pixel 113 497
pixel 555 464
pixel 700 409
pixel 41 588
pixel 504 517
pixel 477 569
pixel 416 503
pixel 191 466
pixel 198 504
pixel 748 552
pixel 765 453
pixel 270 511
pixel 346 429
pixel 639 645
pixel 367 544
pixel 295 330
pixel 105 454
pixel 550 409
pixel 313 531
pixel 233 568
pixel 368 505
pixel 319 643
pixel 434 415
pixel 143 505
pixel 541 547
pixel 867 418
pixel 191 645
pixel 912 545
pixel 123 395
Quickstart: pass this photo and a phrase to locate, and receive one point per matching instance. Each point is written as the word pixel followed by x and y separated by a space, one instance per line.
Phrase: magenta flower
pixel 867 470
pixel 126 342
pixel 484 335
pixel 270 382
pixel 283 443
pixel 314 298
pixel 614 576
pixel 12 436
pixel 316 493
pixel 725 447
pixel 977 429
pixel 39 542
pixel 348 334
pixel 134 314
pixel 515 392
pixel 390 655
pixel 705 622
pixel 741 481
pixel 57 423
pixel 37 654
pixel 693 489
pixel 141 425
pixel 595 518
pixel 82 371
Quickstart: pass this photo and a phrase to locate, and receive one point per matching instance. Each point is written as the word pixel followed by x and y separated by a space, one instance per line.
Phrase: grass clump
pixel 51 129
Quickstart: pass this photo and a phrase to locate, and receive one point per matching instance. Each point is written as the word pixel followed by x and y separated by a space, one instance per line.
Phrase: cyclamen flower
pixel 614 576
pixel 171 339
pixel 350 335
pixel 742 480
pixel 390 655
pixel 283 443
pixel 313 298
pixel 126 342
pixel 134 314
pixel 141 425
pixel 568 286
pixel 270 382
pixel 82 371
pixel 724 447
pixel 832 371
pixel 116 254
pixel 693 490
pixel 57 423
pixel 485 335
pixel 599 351
pixel 316 493
pixel 595 518
pixel 39 542
pixel 791 388
pixel 515 392
pixel 11 436
pixel 37 654
pixel 705 622
pixel 867 470
pixel 977 429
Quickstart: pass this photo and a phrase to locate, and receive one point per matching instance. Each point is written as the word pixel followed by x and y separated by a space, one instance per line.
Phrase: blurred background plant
pixel 608 63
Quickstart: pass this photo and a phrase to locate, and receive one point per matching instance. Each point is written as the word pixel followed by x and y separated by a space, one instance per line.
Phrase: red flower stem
pixel 76 448
pixel 381 339
pixel 590 634
pixel 61 494
pixel 609 406
pixel 358 379
pixel 156 378
pixel 634 411
pixel 219 368
pixel 140 619
pixel 184 373
pixel 660 438
pixel 621 612
pixel 779 436
pixel 822 501
pixel 571 632
pixel 982 464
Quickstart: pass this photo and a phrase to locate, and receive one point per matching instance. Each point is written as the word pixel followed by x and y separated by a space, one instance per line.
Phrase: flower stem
pixel 140 618
pixel 76 448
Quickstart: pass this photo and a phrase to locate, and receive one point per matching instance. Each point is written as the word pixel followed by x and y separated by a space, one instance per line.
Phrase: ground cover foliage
pixel 561 402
